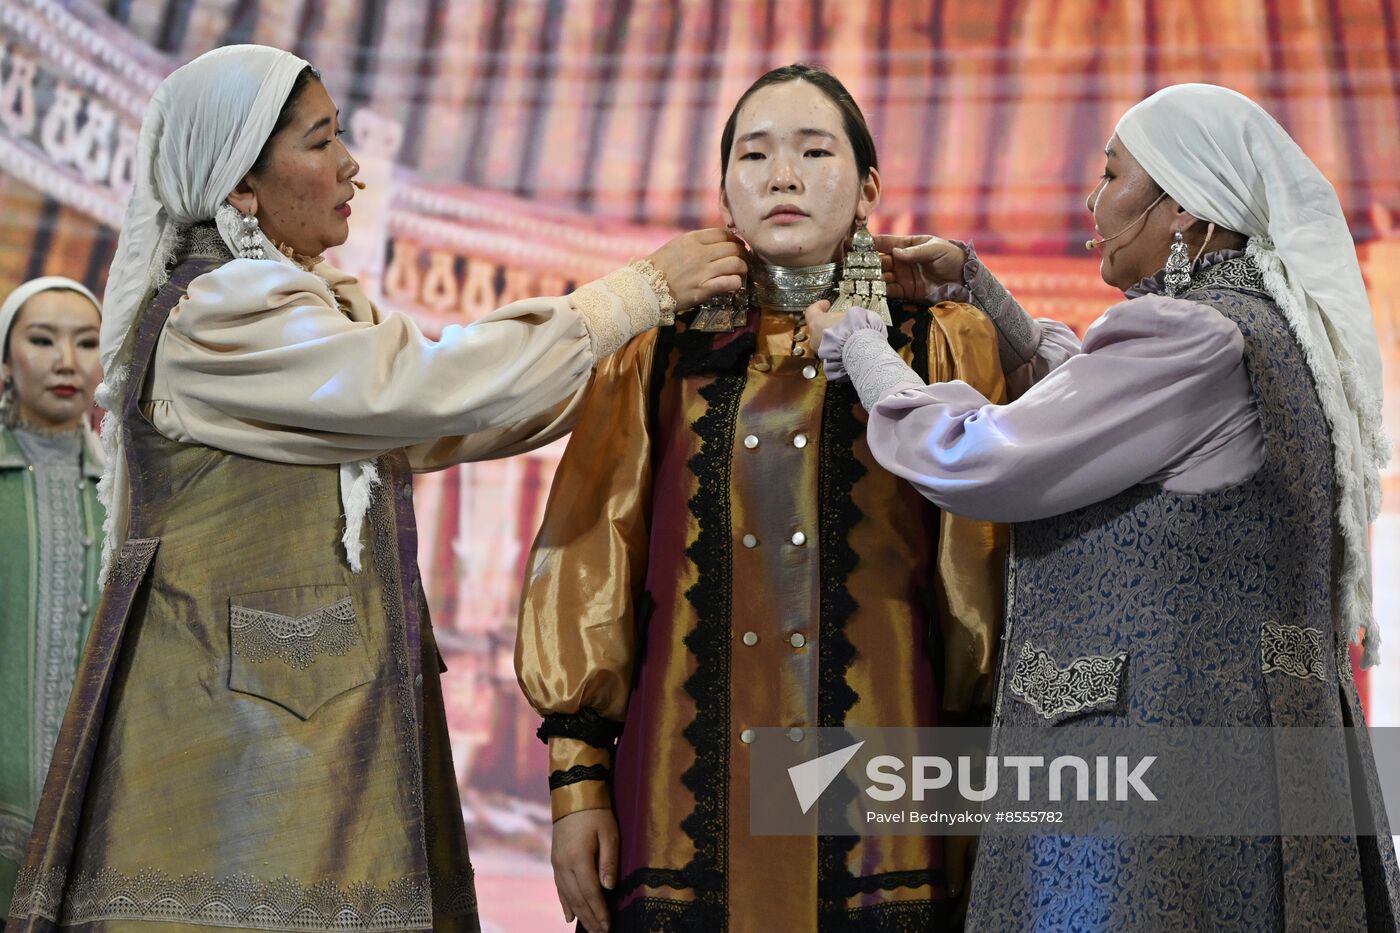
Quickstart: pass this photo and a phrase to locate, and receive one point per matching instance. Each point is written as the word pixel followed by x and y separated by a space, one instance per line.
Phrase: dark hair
pixel 851 117
pixel 284 116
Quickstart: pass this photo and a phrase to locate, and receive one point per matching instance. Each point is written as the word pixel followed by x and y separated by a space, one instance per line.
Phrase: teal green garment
pixel 26 734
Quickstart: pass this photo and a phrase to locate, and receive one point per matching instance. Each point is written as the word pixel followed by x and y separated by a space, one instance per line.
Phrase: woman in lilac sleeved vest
pixel 1189 491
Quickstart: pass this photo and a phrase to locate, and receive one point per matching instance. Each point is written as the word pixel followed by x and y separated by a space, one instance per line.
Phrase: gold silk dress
pixel 720 553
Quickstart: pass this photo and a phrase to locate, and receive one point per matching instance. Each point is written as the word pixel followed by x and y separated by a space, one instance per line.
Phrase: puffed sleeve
pixel 575 648
pixel 971 554
pixel 260 358
pixel 1159 394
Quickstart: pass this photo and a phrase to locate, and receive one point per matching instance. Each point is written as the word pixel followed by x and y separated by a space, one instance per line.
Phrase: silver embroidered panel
pixel 133 559
pixel 260 636
pixel 241 900
pixel 1087 683
pixel 1294 650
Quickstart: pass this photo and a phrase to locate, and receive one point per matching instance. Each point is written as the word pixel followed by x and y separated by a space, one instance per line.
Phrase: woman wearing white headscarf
pixel 50 461
pixel 1190 489
pixel 257 740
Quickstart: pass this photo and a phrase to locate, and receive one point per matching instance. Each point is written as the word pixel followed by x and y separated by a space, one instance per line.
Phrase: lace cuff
pixel 586 725
pixel 1018 335
pixel 659 286
pixel 875 368
pixel 621 305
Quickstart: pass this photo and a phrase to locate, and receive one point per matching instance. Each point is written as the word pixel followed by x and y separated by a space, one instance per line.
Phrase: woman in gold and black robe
pixel 721 553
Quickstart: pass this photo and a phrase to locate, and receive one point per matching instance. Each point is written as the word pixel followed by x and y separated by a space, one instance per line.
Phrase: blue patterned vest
pixel 1154 608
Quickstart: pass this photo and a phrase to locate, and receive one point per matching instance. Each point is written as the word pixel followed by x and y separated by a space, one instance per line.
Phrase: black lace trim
pixel 891 880
pixel 587 725
pixel 838 473
pixel 680 879
pixel 708 779
pixel 923 320
pixel 704 352
pixel 577 773
pixel 896 917
pixel 654 915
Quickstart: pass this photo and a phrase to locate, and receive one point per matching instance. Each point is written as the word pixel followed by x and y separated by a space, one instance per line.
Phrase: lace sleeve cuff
pixel 1018 335
pixel 623 304
pixel 875 368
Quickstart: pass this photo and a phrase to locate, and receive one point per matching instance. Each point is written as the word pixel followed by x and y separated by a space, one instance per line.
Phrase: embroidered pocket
pixel 1090 684
pixel 297 647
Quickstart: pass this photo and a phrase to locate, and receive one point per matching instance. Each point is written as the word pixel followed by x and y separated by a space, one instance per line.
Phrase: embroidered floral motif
pixel 1240 274
pixel 261 636
pixel 240 900
pixel 1294 650
pixel 133 560
pixel 1088 683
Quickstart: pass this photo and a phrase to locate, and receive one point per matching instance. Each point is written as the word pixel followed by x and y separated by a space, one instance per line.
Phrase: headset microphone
pixel 1097 243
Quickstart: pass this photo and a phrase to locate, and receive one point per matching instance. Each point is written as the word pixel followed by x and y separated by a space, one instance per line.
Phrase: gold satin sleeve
pixel 576 642
pixel 971 558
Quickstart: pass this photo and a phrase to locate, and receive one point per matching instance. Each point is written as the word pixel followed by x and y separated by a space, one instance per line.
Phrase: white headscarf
pixel 1226 161
pixel 204 128
pixel 17 299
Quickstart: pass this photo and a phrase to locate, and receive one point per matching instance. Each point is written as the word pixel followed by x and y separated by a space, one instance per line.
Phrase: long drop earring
pixel 1178 267
pixel 862 285
pixel 250 239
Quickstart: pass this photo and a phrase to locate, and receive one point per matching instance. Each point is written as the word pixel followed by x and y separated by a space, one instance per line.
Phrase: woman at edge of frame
pixel 1208 456
pixel 257 737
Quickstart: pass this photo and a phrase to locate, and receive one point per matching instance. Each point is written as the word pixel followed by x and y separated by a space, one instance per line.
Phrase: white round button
pixel 750 541
pixel 750 442
pixel 797 639
pixel 799 441
pixel 750 638
pixel 798 538
pixel 746 736
pixel 809 372
pixel 795 734
pixel 798 351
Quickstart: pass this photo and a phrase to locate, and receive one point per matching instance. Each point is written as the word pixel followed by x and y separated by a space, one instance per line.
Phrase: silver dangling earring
pixel 862 284
pixel 1178 267
pixel 250 238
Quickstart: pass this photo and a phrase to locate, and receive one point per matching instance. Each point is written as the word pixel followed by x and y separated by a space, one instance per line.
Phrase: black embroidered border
pixel 679 879
pixel 587 725
pixel 653 915
pixel 898 917
pixel 839 470
pixel 577 773
pixel 708 779
pixel 890 880
pixel 923 320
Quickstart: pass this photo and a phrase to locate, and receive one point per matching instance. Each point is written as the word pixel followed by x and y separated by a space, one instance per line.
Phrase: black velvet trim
pixel 587 725
pixel 708 779
pixel 577 773
pixel 838 471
